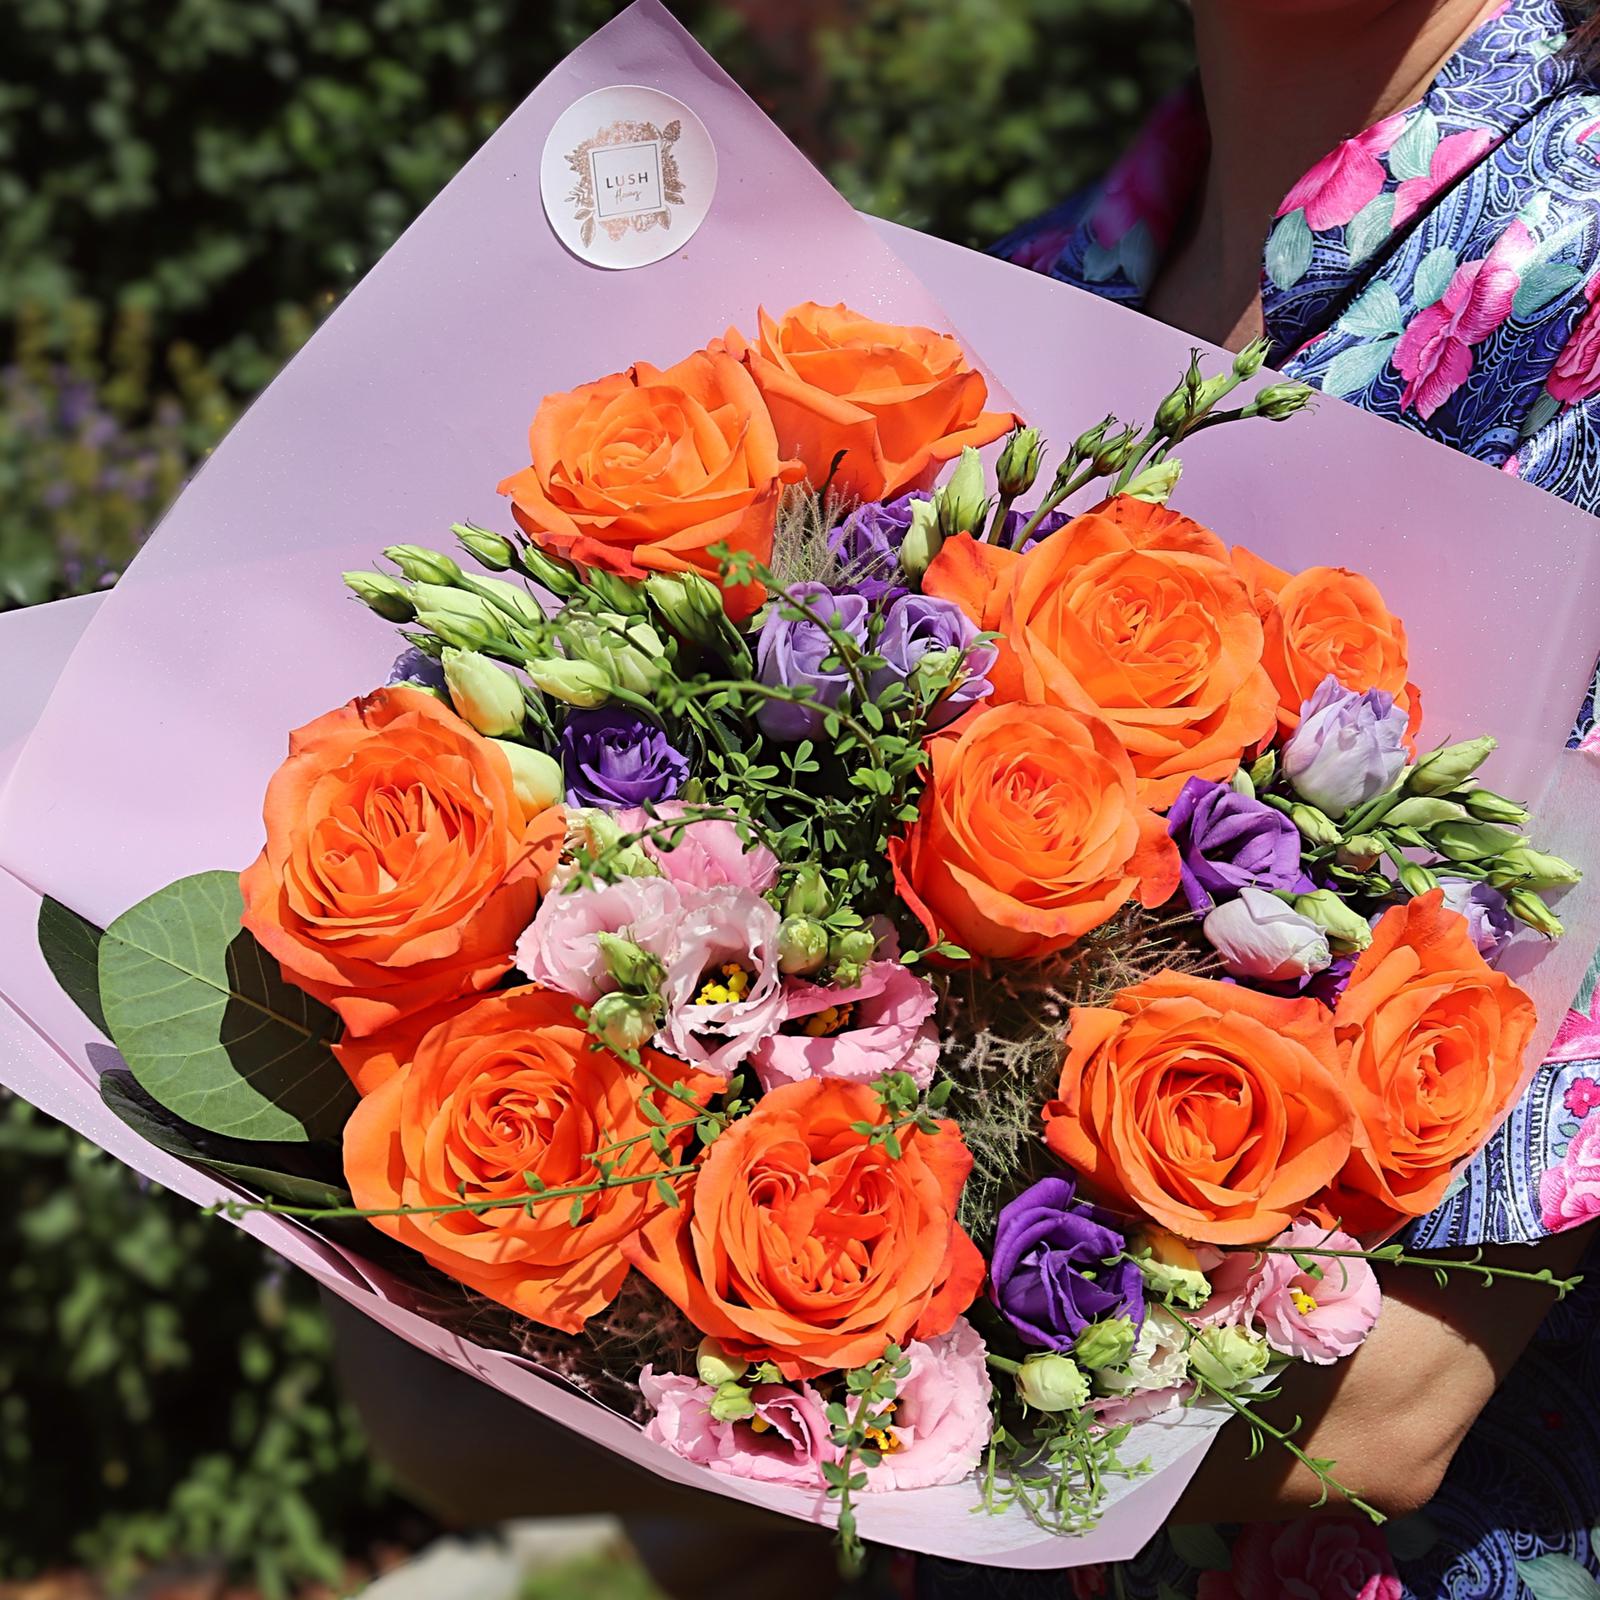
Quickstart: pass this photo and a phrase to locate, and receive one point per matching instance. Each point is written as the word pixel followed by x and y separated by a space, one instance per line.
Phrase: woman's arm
pixel 1393 1414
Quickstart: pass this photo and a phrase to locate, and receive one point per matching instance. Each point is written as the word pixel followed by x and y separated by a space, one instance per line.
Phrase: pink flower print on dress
pixel 1345 179
pixel 1578 1038
pixel 1582 1096
pixel 1576 374
pixel 1435 351
pixel 1454 154
pixel 1153 181
pixel 1569 1192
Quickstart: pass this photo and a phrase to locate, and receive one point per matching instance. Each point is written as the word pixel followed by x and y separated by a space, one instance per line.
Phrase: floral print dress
pixel 1442 269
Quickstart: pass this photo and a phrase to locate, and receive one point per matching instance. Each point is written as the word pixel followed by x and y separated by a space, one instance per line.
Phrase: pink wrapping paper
pixel 173 695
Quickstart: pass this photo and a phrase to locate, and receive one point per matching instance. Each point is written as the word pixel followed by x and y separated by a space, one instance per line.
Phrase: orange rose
pixel 372 1059
pixel 512 1085
pixel 1213 1110
pixel 898 401
pixel 400 867
pixel 804 1244
pixel 646 470
pixel 1435 1040
pixel 1030 833
pixel 1322 621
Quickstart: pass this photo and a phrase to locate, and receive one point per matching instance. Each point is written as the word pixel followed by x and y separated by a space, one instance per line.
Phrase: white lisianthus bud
pixel 1260 937
pixel 1052 1383
pixel 483 694
pixel 1228 1357
pixel 715 1366
pixel 537 777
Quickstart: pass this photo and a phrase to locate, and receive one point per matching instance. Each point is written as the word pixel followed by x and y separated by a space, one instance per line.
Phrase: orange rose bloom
pixel 400 866
pixel 646 470
pixel 805 1245
pixel 1435 1040
pixel 511 1085
pixel 1212 1109
pixel 1323 621
pixel 899 401
pixel 1030 833
pixel 372 1059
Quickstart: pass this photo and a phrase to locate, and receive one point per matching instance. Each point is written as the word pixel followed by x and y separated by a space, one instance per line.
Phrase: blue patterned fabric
pixel 1441 269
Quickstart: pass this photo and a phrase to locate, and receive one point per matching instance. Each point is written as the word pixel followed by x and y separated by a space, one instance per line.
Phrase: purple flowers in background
pixel 790 654
pixel 1348 748
pixel 867 544
pixel 617 758
pixel 1048 1274
pixel 1489 918
pixel 417 668
pixel 1228 841
pixel 933 639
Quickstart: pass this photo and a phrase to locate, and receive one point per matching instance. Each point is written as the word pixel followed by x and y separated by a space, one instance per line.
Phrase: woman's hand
pixel 1393 1415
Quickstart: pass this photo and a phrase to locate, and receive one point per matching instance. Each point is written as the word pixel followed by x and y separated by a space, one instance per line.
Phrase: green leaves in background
pixel 70 945
pixel 207 1024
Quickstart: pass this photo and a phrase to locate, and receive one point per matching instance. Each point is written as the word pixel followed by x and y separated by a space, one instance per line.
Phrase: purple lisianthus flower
pixel 1048 1275
pixel 416 668
pixel 790 655
pixel 867 544
pixel 1348 748
pixel 1489 918
pixel 923 633
pixel 1016 521
pixel 615 758
pixel 1227 842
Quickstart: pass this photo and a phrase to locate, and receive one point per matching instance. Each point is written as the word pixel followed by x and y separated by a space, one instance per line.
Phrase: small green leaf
pixel 1368 228
pixel 208 1025
pixel 1433 277
pixel 1557 1577
pixel 1375 314
pixel 70 945
pixel 1543 284
pixel 1289 250
pixel 1411 155
pixel 1352 370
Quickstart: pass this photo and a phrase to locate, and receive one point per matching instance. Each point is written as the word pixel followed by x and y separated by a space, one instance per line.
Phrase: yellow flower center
pixel 759 1424
pixel 729 986
pixel 834 1020
pixel 1303 1303
pixel 883 1439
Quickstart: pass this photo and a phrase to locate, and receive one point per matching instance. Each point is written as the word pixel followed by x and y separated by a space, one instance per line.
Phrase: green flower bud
pixel 550 572
pixel 936 671
pixel 1173 412
pixel 1345 929
pixel 1527 907
pixel 616 593
pixel 1249 361
pixel 1535 869
pixel 1417 880
pixel 802 946
pixel 1171 1270
pixel 1264 769
pixel 854 944
pixel 461 619
pixel 633 967
pixel 1225 1358
pixel 491 550
pixel 596 832
pixel 509 598
pixel 1116 452
pixel 390 599
pixel 483 694
pixel 625 1022
pixel 731 1403
pixel 1019 462
pixel 537 777
pixel 1155 484
pixel 715 1366
pixel 579 683
pixel 1052 1382
pixel 1105 1344
pixel 1423 811
pixel 808 894
pixel 1472 841
pixel 632 654
pixel 923 540
pixel 1279 401
pixel 690 604
pixel 1315 826
pixel 961 505
pixel 1484 805
pixel 1242 783
pixel 1360 853
pixel 1447 769
pixel 1087 444
pixel 422 565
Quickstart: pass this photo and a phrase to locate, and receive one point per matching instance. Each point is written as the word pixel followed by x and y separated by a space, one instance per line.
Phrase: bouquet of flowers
pixel 865 962
pixel 934 980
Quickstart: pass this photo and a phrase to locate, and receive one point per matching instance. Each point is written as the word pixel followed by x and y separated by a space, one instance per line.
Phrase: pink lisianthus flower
pixel 1345 179
pixel 709 855
pixel 1434 353
pixel 1569 1192
pixel 1576 374
pixel 941 1414
pixel 1315 1319
pixel 882 1024
pixel 723 992
pixel 1139 1405
pixel 1315 1558
pixel 1451 157
pixel 789 1447
pixel 561 948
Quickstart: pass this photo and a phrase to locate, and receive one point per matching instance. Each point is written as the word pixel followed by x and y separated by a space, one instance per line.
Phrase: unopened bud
pixel 1416 880
pixel 1052 1383
pixel 923 540
pixel 1423 811
pixel 422 565
pixel 1527 907
pixel 1316 827
pixel 631 965
pixel 1225 1358
pixel 483 694
pixel 1263 770
pixel 1155 484
pixel 616 593
pixel 389 598
pixel 1484 805
pixel 1116 452
pixel 550 572
pixel 1105 1344
pixel 690 604
pixel 535 776
pixel 1346 929
pixel 1361 852
pixel 1249 361
pixel 1535 869
pixel 808 894
pixel 731 1403
pixel 1088 444
pixel 461 619
pixel 578 683
pixel 491 550
pixel 1472 841
pixel 1019 462
pixel 1446 770
pixel 1279 401
pixel 511 599
pixel 802 946
pixel 961 505
pixel 624 1022
pixel 715 1366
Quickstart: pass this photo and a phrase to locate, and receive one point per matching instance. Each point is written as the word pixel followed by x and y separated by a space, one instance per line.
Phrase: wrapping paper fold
pixel 172 696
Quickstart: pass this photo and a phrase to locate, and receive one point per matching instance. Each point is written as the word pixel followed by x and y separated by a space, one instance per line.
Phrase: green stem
pixel 1062 491
pixel 1394 1256
pixel 1002 508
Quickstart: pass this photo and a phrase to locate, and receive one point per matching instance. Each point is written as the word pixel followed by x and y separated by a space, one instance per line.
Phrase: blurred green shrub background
pixel 186 187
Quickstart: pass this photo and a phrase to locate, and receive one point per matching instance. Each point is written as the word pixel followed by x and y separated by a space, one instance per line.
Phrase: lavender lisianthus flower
pixel 1348 748
pixel 1227 841
pixel 867 544
pixel 1016 521
pixel 1048 1273
pixel 616 758
pixel 417 668
pixel 790 654
pixel 1489 919
pixel 932 638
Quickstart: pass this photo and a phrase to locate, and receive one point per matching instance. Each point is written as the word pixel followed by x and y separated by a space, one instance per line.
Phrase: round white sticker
pixel 627 176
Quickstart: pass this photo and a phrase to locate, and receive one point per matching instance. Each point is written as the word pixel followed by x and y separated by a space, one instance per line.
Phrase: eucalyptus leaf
pixel 1289 250
pixel 207 1024
pixel 70 945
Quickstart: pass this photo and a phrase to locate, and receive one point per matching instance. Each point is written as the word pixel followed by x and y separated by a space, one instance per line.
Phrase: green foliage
pixel 164 1393
pixel 606 1576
